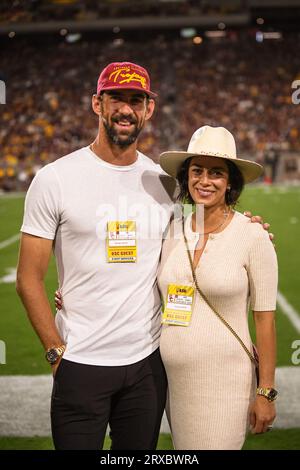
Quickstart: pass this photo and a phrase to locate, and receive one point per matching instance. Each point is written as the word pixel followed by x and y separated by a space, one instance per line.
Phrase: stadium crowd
pixel 235 82
pixel 24 11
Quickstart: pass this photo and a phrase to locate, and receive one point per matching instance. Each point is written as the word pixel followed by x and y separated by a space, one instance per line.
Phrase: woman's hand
pixel 58 299
pixel 258 218
pixel 262 415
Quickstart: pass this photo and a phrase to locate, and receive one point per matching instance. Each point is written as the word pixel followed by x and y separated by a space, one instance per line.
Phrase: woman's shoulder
pixel 254 230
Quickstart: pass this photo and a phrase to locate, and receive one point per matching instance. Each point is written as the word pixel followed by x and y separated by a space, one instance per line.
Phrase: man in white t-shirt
pixel 103 210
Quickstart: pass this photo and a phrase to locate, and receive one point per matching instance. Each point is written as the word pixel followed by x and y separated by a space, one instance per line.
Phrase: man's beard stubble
pixel 114 136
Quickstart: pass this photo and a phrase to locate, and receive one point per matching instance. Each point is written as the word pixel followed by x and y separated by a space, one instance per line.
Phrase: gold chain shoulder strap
pixel 251 356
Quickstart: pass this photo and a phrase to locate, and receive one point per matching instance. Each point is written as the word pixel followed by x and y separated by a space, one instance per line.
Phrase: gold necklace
pixel 226 214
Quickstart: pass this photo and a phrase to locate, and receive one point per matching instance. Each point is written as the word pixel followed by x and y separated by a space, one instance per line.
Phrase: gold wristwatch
pixel 269 393
pixel 53 354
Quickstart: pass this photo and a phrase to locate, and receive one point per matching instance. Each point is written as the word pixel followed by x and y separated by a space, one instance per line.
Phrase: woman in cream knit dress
pixel 212 388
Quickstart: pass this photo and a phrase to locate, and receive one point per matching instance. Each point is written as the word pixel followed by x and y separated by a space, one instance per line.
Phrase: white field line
pixel 25 403
pixel 13 195
pixel 289 311
pixel 10 276
pixel 9 241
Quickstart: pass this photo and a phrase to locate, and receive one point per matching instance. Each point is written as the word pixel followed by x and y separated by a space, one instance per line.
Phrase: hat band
pixel 216 154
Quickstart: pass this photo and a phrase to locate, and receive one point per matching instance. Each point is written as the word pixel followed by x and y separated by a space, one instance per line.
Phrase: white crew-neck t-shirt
pixel 111 311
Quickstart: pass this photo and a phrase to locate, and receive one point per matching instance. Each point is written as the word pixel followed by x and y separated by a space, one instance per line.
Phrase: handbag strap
pixel 251 356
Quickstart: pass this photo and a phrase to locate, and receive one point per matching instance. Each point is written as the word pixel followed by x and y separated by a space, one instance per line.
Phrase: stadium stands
pixel 18 11
pixel 234 81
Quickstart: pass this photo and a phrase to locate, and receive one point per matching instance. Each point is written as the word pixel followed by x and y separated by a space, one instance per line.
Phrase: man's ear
pixel 96 104
pixel 150 106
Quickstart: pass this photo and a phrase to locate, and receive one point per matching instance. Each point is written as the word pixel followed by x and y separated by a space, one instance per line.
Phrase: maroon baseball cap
pixel 124 75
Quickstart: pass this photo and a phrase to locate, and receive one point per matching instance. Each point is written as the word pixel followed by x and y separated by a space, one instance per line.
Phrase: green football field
pixel 280 206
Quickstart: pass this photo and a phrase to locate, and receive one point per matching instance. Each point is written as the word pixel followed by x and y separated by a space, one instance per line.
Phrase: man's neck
pixel 114 154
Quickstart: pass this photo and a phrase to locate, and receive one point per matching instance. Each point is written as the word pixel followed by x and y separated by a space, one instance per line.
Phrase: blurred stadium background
pixel 234 63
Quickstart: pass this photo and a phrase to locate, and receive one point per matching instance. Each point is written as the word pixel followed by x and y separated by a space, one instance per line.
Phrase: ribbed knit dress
pixel 211 378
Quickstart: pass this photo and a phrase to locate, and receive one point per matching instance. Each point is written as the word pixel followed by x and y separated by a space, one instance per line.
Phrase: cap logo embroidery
pixel 122 75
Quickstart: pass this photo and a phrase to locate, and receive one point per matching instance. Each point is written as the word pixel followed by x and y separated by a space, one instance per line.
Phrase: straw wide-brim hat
pixel 212 142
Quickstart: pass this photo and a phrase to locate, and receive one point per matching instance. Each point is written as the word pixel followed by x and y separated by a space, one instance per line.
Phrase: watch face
pixel 52 356
pixel 272 394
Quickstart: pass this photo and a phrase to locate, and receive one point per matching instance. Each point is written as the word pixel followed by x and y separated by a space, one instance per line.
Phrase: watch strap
pixel 267 392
